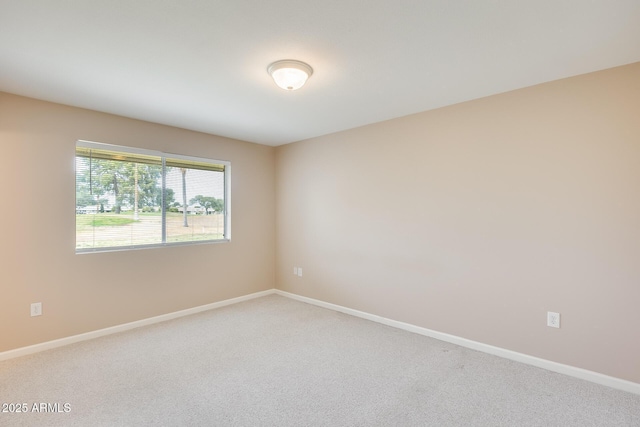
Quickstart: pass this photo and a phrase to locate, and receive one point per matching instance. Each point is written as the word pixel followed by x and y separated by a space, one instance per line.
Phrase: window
pixel 129 198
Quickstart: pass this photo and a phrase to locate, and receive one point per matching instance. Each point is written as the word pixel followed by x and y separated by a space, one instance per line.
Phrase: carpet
pixel 273 361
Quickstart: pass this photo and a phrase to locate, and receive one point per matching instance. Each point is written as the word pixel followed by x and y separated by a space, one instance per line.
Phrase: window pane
pixel 118 203
pixel 195 203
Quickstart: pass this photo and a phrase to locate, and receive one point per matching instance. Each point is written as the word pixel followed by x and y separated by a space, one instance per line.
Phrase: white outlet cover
pixel 36 309
pixel 295 271
pixel 553 319
pixel 300 272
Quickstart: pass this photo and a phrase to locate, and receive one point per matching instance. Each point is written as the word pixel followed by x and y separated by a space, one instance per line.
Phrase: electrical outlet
pixel 36 309
pixel 553 319
pixel 295 271
pixel 299 271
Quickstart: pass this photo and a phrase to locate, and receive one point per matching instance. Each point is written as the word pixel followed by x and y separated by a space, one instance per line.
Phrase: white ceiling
pixel 201 64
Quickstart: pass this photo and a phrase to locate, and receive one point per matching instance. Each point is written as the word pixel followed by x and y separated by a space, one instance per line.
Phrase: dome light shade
pixel 290 74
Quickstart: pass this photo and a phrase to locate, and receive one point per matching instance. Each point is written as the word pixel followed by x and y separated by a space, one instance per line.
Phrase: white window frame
pixel 163 156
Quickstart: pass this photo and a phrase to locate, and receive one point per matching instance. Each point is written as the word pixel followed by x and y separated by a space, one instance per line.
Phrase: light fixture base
pixel 290 74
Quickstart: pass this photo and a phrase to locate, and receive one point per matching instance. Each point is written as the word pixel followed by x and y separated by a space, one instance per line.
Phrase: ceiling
pixel 201 64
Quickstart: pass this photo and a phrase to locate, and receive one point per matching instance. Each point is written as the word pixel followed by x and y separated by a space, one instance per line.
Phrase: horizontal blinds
pixel 190 164
pixel 99 154
pixel 146 159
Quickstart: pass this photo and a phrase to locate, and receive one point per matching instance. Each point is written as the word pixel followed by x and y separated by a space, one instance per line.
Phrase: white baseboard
pixel 572 371
pixel 23 351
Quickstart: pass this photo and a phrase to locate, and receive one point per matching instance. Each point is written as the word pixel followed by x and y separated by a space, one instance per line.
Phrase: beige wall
pixel 86 292
pixel 477 219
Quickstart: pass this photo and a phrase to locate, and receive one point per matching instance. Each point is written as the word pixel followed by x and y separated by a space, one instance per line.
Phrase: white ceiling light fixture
pixel 290 74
